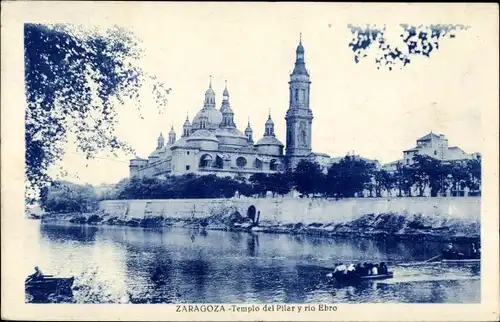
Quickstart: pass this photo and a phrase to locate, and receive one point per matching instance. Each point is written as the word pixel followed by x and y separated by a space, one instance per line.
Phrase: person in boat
pixel 340 269
pixel 451 252
pixel 383 269
pixel 359 269
pixel 475 253
pixel 351 270
pixel 38 275
pixel 369 268
pixel 375 269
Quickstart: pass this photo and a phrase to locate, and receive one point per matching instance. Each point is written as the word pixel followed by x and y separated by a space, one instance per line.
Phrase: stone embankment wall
pixel 443 219
pixel 292 211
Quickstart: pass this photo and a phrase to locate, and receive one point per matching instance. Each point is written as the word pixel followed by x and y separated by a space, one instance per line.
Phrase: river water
pixel 135 265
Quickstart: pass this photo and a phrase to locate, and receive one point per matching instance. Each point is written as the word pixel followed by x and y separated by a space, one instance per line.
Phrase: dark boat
pixel 49 285
pixel 464 260
pixel 346 278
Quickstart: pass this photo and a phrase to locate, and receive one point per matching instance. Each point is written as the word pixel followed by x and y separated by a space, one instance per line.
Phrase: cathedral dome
pixel 212 116
pixel 269 140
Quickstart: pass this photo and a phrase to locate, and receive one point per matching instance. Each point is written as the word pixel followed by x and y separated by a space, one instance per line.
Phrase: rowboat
pixel 49 285
pixel 467 260
pixel 344 278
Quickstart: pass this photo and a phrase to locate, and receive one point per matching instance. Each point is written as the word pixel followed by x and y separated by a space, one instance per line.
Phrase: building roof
pixel 202 135
pixel 230 132
pixel 410 150
pixel 428 137
pixel 269 140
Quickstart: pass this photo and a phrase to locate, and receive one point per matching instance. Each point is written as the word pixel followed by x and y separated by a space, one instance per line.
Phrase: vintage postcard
pixel 250 161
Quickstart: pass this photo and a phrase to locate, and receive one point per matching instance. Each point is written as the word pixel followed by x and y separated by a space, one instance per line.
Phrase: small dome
pixel 172 131
pixel 202 135
pixel 269 121
pixel 300 49
pixel 269 140
pixel 249 128
pixel 210 92
pixel 187 123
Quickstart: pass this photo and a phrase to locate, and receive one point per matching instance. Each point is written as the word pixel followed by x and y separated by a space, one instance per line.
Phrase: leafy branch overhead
pixel 75 80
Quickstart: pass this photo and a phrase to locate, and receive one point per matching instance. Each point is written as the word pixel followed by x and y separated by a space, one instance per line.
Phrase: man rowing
pixel 450 252
pixel 38 275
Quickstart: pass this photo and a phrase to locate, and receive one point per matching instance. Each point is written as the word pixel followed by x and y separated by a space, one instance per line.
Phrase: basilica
pixel 212 143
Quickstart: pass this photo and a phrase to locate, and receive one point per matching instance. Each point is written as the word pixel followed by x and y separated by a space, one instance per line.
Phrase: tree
pixel 403 179
pixel 260 183
pixel 308 178
pixel 383 181
pixel 349 176
pixel 473 168
pixel 74 81
pixel 280 183
pixel 67 197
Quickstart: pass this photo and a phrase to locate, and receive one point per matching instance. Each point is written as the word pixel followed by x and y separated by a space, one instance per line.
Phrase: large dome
pixel 269 140
pixel 213 117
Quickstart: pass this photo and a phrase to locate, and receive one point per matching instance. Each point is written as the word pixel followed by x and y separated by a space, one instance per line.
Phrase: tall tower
pixel 299 115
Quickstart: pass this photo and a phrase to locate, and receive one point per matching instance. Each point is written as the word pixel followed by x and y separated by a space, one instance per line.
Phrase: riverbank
pixel 382 225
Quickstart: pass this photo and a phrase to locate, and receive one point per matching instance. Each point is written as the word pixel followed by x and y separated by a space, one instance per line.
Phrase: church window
pixel 289 137
pixel 273 165
pixel 303 95
pixel 187 167
pixel 296 95
pixel 258 164
pixel 435 152
pixel 241 162
pixel 187 152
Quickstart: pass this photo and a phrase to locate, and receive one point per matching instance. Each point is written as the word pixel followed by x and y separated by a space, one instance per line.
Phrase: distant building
pixel 435 146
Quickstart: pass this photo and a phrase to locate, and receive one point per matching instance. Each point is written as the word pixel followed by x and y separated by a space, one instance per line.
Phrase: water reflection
pixel 198 266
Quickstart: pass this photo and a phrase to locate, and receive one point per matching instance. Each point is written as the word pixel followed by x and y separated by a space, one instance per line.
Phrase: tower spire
pixel 210 83
pixel 300 38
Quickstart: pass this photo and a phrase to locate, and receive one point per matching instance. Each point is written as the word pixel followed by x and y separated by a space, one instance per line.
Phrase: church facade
pixel 212 143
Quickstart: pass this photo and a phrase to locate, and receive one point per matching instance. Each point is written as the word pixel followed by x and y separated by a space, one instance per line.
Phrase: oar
pixel 420 263
pixel 432 258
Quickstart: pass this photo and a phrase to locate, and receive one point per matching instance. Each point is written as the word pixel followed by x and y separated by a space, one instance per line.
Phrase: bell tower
pixel 299 115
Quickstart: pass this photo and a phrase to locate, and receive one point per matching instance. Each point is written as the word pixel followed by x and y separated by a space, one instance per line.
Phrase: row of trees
pixel 349 177
pixel 352 176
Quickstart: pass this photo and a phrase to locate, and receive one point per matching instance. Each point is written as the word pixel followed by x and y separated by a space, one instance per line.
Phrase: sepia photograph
pixel 251 158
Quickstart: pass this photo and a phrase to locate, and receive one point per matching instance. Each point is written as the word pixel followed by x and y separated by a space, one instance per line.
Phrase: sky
pixel 376 113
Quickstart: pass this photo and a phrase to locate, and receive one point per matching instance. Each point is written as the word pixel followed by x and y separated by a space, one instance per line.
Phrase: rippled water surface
pixel 134 265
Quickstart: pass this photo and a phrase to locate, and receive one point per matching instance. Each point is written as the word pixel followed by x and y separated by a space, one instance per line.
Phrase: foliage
pixel 276 183
pixel 308 178
pixel 74 81
pixel 348 177
pixel 181 187
pixel 67 197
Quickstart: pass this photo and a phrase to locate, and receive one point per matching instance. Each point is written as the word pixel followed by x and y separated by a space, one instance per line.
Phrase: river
pixel 134 265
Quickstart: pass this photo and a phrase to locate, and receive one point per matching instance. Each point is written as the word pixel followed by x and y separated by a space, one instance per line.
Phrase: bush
pixel 66 197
